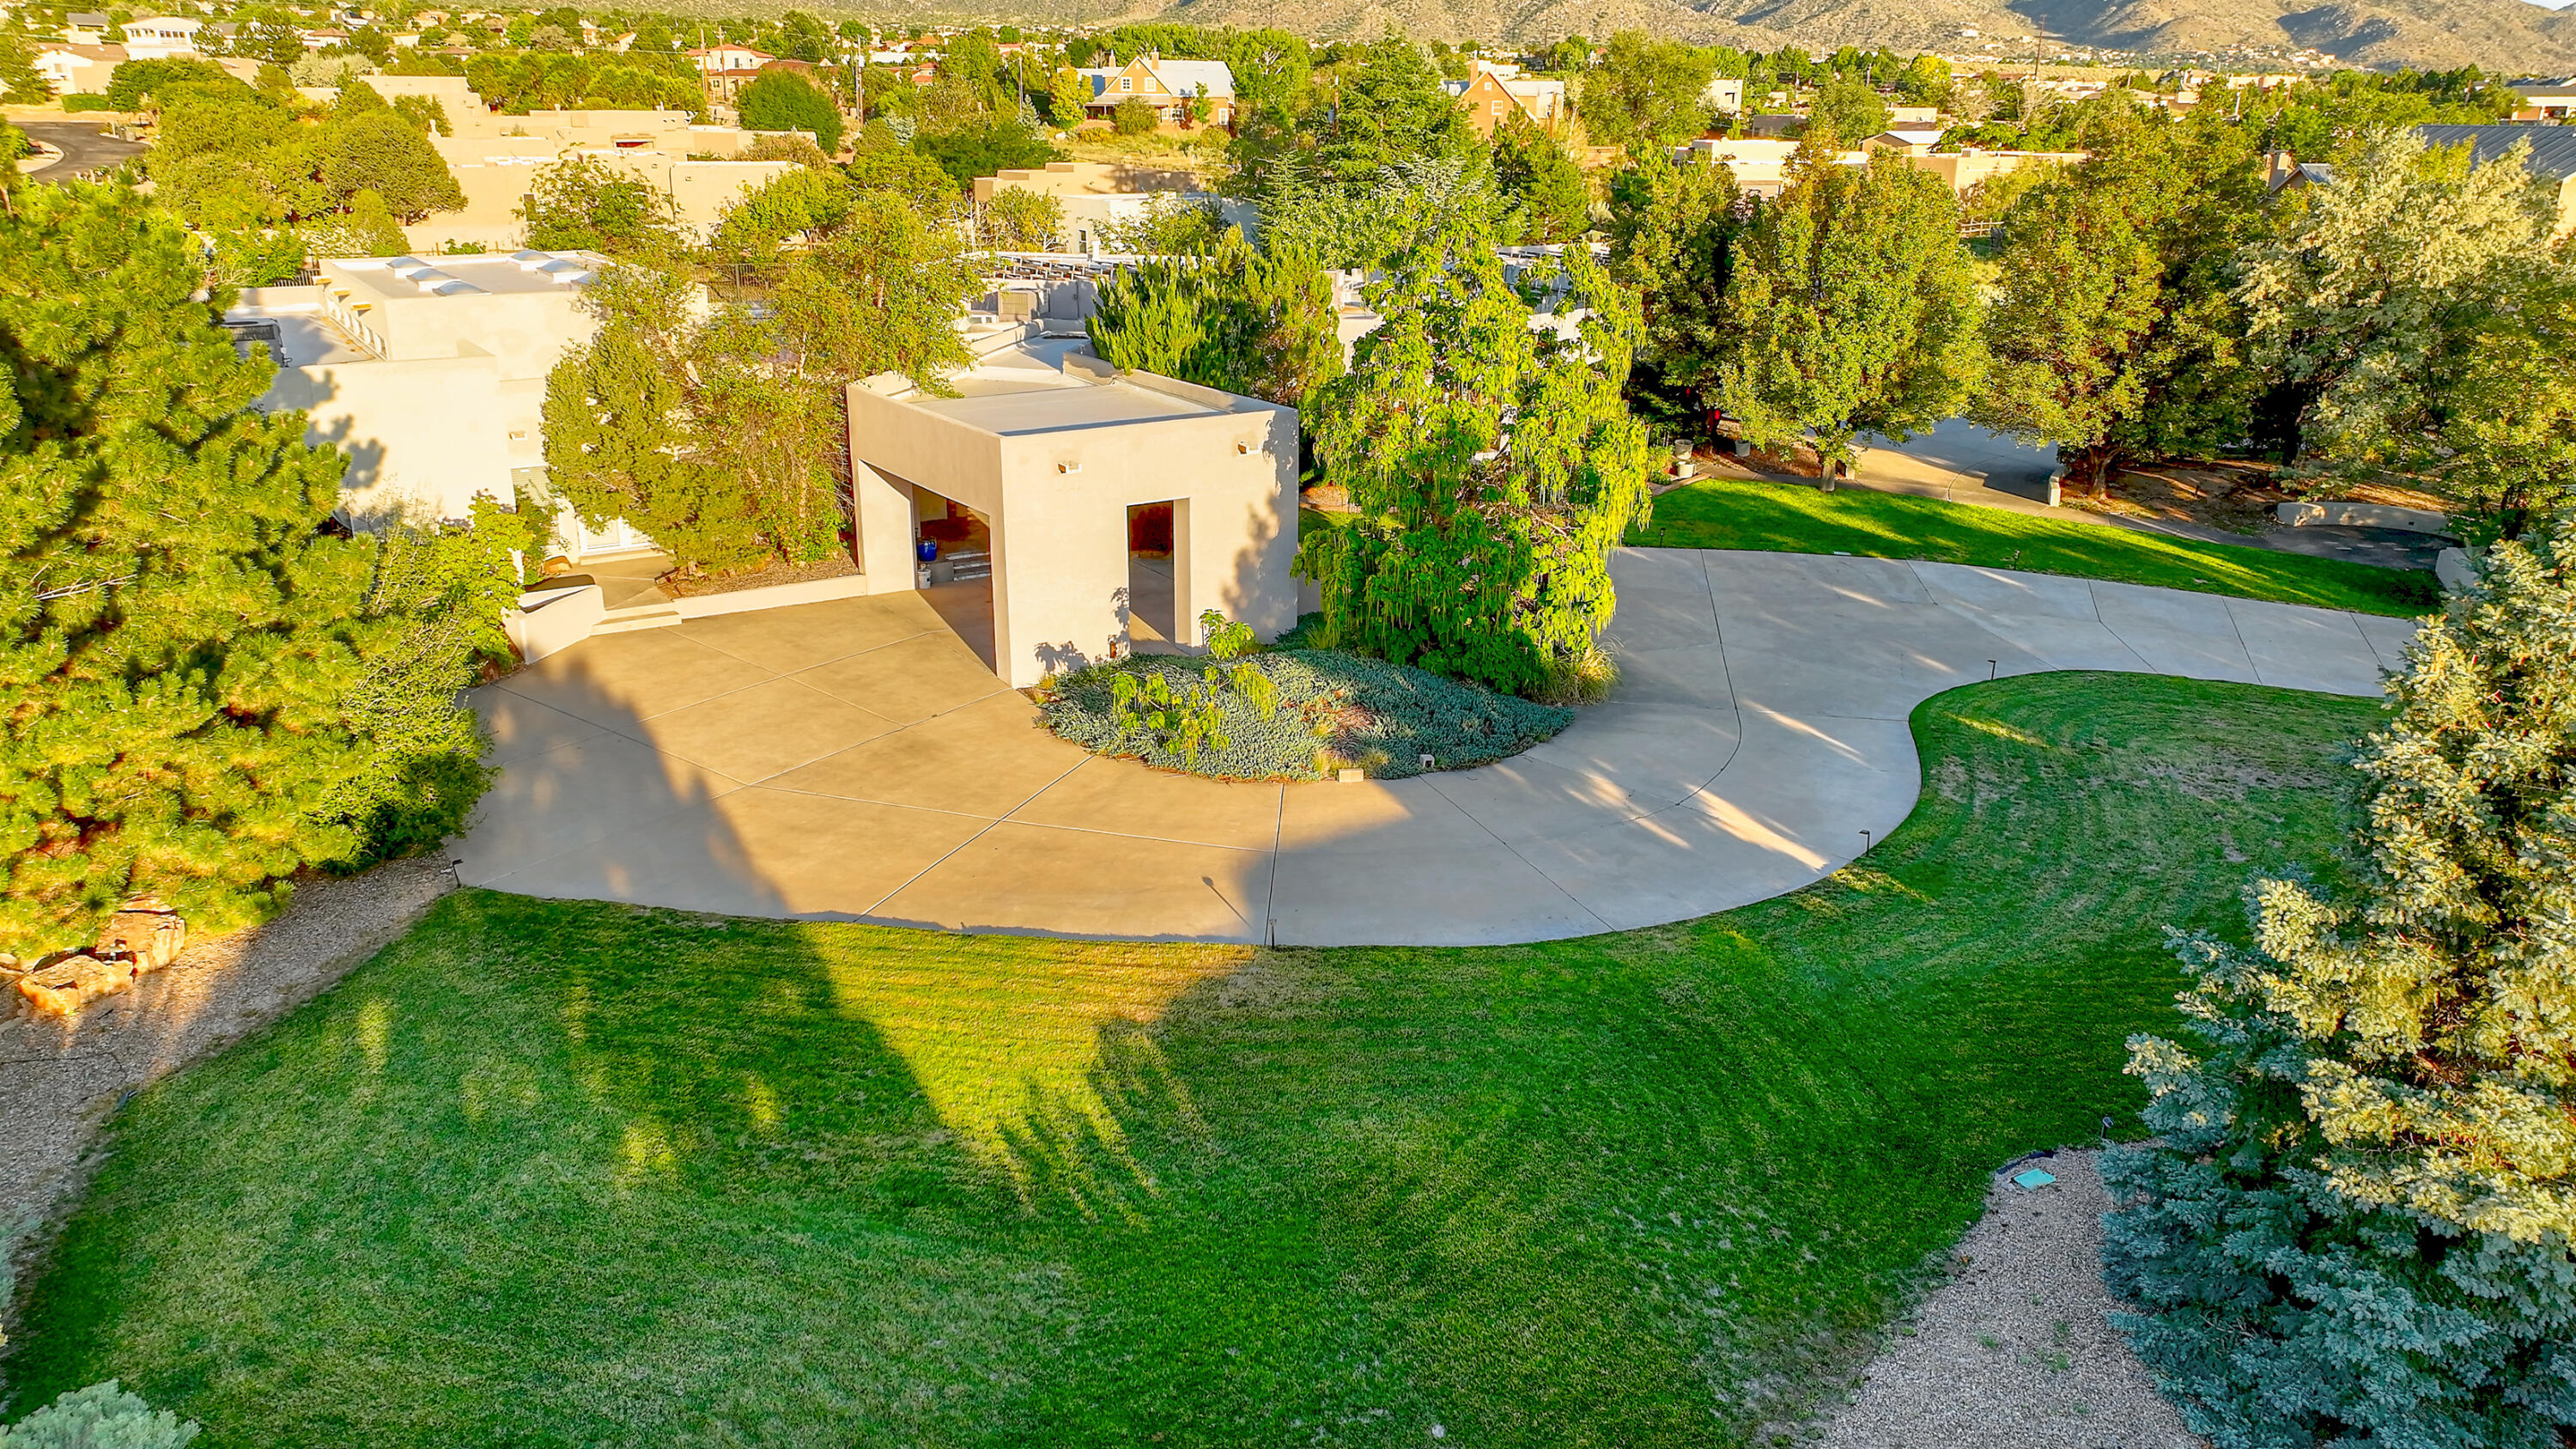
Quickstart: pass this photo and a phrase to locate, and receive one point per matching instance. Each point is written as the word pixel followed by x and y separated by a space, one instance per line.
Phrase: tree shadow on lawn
pixel 550 1173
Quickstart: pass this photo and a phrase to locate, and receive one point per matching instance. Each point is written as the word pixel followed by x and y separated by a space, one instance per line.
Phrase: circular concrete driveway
pixel 856 761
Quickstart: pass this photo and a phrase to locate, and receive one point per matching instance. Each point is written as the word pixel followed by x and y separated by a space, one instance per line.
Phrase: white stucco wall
pixel 1056 500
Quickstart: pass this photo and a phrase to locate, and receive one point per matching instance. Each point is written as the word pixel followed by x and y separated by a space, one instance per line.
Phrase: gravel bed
pixel 2016 1350
pixel 61 1081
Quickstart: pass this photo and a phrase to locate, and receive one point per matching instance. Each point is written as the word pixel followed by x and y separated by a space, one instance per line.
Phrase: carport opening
pixel 1150 626
pixel 953 549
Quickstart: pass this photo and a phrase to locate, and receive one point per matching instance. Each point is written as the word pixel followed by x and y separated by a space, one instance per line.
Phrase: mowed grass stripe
pixel 550 1173
pixel 1790 518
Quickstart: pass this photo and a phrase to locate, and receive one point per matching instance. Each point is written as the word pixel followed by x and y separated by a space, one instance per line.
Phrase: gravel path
pixel 2017 1351
pixel 60 1081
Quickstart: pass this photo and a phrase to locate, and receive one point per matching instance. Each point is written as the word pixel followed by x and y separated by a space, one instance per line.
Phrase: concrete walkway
pixel 857 761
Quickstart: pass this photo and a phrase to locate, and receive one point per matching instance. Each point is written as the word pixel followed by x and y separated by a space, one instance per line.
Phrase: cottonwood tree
pixel 1494 466
pixel 2114 335
pixel 1849 307
pixel 582 203
pixel 209 690
pixel 2360 312
pixel 1646 93
pixel 785 101
pixel 2504 443
pixel 2355 1223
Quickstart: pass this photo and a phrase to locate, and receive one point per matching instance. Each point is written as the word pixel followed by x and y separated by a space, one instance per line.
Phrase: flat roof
pixel 403 278
pixel 1057 407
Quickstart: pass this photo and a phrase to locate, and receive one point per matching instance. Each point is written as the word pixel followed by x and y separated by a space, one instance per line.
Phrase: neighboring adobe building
pixel 496 158
pixel 1761 166
pixel 1094 194
pixel 1055 463
pixel 429 373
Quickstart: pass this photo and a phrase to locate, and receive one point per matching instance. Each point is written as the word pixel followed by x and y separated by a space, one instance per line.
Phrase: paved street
pixel 85 145
pixel 856 760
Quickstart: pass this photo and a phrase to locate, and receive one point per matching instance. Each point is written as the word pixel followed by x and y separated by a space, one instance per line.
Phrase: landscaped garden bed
pixel 1310 714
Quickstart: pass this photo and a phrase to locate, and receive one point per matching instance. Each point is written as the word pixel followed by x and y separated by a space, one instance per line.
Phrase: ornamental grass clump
pixel 2356 1225
pixel 1291 714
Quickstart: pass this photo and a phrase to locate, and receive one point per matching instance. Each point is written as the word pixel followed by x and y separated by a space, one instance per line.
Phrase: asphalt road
pixel 86 146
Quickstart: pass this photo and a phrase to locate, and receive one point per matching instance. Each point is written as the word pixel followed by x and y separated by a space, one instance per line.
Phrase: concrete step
pixel 639 616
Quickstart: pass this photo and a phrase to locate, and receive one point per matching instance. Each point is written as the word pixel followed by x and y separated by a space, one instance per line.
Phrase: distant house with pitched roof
pixel 1169 86
pixel 1491 99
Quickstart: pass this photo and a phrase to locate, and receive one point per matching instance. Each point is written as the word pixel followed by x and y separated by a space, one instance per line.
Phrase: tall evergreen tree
pixel 1494 467
pixel 1547 191
pixel 208 690
pixel 1849 307
pixel 2355 1225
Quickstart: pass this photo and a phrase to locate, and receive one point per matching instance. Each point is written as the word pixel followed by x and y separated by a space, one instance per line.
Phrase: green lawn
pixel 550 1174
pixel 1795 518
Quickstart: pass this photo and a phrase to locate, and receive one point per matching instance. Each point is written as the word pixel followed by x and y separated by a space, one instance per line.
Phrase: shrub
pixel 102 1416
pixel 1298 714
pixel 1132 117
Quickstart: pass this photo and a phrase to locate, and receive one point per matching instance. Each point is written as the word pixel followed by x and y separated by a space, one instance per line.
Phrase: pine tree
pixel 2356 1224
pixel 194 664
pixel 1494 467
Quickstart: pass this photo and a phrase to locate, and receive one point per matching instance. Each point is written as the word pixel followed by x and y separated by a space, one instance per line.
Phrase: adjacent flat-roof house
pixel 429 373
pixel 1094 194
pixel 2552 161
pixel 1166 85
pixel 1056 464
pixel 497 158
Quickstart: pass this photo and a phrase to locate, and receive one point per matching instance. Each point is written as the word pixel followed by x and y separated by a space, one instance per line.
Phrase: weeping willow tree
pixel 1493 464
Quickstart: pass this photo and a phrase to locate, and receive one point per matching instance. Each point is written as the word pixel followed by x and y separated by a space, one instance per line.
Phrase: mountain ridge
pixel 2504 37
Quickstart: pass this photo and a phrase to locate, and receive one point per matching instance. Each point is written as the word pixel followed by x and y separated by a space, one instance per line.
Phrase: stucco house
pixel 78 69
pixel 429 373
pixel 497 158
pixel 162 36
pixel 1050 466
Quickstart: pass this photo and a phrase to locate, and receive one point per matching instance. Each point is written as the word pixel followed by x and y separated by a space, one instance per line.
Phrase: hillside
pixel 2505 36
